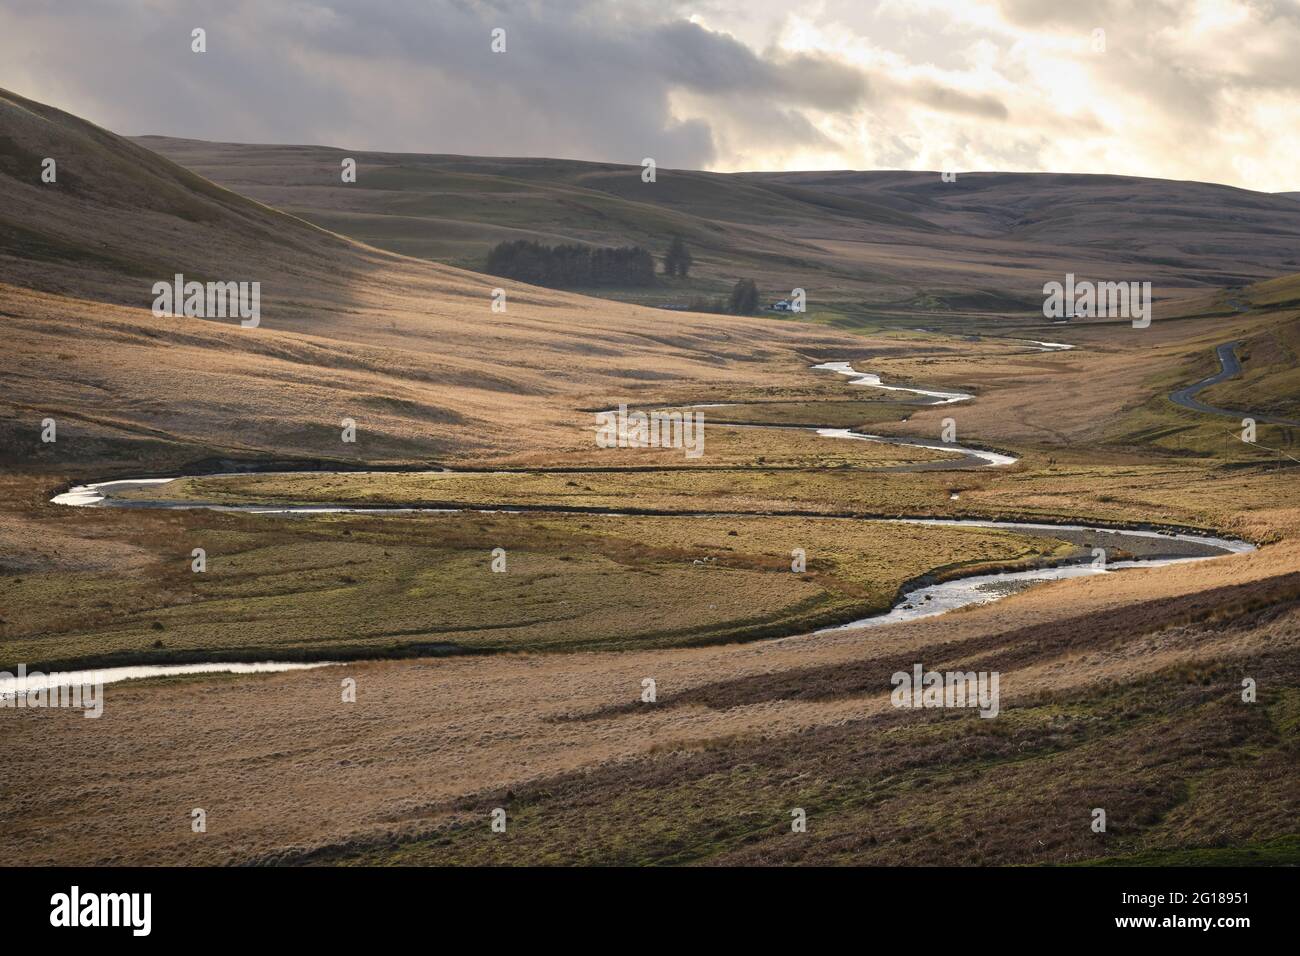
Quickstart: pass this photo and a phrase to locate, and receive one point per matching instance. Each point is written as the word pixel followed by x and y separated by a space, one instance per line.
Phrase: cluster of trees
pixel 575 266
pixel 678 259
pixel 743 300
pixel 568 266
pixel 572 265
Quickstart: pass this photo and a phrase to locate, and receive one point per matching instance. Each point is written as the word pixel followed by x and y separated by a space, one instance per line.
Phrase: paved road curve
pixel 1230 366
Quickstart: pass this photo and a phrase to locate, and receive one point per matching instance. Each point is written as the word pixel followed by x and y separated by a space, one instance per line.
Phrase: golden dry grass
pixel 280 762
pixel 1119 687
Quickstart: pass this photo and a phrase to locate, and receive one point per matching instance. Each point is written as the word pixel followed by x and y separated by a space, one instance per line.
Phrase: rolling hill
pixel 887 243
pixel 409 349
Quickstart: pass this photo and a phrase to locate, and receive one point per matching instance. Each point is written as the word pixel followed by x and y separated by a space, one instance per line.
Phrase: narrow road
pixel 1230 366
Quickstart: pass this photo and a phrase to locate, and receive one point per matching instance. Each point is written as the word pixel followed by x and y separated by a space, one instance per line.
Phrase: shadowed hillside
pixel 118 214
pixel 886 242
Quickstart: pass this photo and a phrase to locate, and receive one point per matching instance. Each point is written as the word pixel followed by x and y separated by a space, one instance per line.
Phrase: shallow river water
pixel 925 601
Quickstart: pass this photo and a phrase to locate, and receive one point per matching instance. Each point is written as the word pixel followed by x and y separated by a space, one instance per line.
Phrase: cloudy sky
pixel 1180 89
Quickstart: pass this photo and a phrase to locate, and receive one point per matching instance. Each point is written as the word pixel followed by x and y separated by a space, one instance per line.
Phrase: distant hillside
pixel 883 241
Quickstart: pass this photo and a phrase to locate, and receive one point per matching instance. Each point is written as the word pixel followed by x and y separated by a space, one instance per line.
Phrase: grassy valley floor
pixel 526 689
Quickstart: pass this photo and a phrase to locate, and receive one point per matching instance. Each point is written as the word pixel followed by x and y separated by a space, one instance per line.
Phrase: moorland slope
pixel 881 242
pixel 1121 691
pixel 410 350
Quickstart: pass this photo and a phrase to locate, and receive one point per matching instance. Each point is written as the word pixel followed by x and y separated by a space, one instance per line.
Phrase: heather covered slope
pixel 886 242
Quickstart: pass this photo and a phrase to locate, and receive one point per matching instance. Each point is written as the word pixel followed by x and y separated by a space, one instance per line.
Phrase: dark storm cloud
pixel 723 84
pixel 686 54
pixel 577 79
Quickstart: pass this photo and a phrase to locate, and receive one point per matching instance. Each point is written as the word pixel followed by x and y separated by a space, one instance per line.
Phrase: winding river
pixel 923 599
